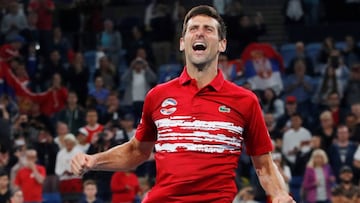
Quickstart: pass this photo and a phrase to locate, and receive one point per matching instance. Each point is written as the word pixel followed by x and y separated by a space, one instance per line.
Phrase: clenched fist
pixel 82 163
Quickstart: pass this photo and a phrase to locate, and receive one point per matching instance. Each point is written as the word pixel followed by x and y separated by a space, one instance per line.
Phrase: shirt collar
pixel 216 83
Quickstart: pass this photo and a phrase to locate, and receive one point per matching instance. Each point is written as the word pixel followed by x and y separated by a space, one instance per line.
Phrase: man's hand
pixel 283 198
pixel 82 163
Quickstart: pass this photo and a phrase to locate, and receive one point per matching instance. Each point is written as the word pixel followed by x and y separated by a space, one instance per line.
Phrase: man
pixel 4 187
pixel 30 179
pixel 198 127
pixel 346 191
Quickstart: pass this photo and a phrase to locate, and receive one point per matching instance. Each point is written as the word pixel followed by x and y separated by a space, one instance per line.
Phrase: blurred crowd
pixel 72 80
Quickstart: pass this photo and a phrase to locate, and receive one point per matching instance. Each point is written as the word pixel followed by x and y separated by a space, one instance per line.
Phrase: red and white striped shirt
pixel 199 136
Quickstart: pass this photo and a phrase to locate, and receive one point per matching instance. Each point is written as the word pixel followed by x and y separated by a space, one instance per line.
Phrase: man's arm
pixel 271 179
pixel 122 157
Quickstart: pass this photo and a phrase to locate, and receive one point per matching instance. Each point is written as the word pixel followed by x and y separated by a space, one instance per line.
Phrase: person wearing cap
pixel 284 123
pixel 70 184
pixel 346 191
pixel 82 139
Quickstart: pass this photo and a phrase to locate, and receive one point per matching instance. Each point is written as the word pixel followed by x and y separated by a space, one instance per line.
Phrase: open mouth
pixel 199 46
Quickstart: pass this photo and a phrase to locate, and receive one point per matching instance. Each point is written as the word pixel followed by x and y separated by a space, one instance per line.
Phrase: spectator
pixel 38 121
pixel 161 33
pixel 62 130
pixel 90 191
pixel 355 135
pixel 113 111
pixel 342 151
pixel 14 21
pixel 295 138
pixel 70 184
pixel 294 12
pixel 318 178
pixel 328 45
pixel 326 130
pixel 345 191
pixel 20 150
pixel 52 66
pixel 274 132
pixel 352 90
pixel 99 93
pixel 4 187
pixel 44 10
pixel 301 86
pixel 127 129
pixel 82 139
pixel 31 32
pixel 332 103
pixel 301 55
pixel 73 115
pixel 61 44
pixel 248 31
pixel 17 196
pixel 5 163
pixel 77 78
pixel 284 122
pixel 350 122
pixel 47 151
pixel 108 72
pixel 351 51
pixel 334 77
pixel 271 103
pixel 139 78
pixel 124 187
pixel 92 126
pixel 110 42
pixel 101 142
pixel 32 61
pixel 139 42
pixel 312 11
pixel 30 179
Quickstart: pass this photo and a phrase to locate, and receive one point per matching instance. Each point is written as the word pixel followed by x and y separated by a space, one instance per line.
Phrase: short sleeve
pixel 146 130
pixel 256 135
pixel 357 154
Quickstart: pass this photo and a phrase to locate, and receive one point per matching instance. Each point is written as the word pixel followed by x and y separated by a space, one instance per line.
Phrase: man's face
pixel 91 118
pixel 343 134
pixel 4 181
pixel 333 100
pixel 90 190
pixel 201 42
pixel 72 98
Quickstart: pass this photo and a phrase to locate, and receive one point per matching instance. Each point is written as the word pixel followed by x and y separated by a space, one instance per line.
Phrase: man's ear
pixel 222 45
pixel 182 46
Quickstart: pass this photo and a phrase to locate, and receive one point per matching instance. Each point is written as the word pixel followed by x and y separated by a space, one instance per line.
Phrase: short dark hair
pixel 89 182
pixel 208 11
pixel 3 173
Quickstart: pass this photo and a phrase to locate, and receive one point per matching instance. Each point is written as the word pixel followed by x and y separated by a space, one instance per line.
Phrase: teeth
pixel 199 44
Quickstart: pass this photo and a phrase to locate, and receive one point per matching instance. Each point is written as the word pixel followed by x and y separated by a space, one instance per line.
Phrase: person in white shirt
pixel 294 138
pixel 70 184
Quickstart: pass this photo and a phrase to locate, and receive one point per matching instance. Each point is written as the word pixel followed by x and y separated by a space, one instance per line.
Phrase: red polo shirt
pixel 31 189
pixel 199 135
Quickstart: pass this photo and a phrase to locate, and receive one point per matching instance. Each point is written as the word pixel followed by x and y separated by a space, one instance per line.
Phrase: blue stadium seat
pixel 288 52
pixel 313 50
pixel 51 197
pixel 167 72
pixel 340 45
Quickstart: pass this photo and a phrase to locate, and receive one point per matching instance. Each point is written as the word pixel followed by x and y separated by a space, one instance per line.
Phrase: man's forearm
pixel 269 176
pixel 122 157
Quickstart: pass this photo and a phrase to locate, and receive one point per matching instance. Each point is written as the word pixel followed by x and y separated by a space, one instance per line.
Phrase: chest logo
pixel 168 106
pixel 224 109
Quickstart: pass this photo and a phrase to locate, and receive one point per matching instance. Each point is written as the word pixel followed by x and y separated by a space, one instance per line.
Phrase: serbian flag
pixel 263 67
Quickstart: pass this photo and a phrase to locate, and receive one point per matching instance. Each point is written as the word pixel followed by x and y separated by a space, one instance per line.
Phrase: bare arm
pixel 122 157
pixel 270 178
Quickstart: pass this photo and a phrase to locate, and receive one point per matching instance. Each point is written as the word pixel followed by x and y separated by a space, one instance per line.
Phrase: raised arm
pixel 271 179
pixel 123 157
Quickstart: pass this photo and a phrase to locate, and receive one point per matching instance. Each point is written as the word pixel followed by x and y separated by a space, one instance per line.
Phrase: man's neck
pixel 72 107
pixel 203 77
pixel 90 199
